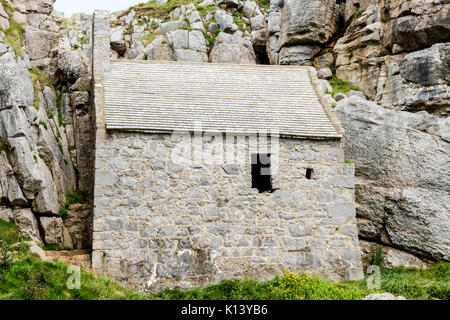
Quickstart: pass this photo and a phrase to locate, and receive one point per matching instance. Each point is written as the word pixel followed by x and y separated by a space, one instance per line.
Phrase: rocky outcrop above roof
pixel 401 176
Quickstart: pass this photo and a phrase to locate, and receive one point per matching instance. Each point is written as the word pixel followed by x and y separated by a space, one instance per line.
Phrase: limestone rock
pixel 383 296
pixel 55 232
pixel 40 43
pixel 187 45
pixel 297 55
pixel 308 22
pixel 158 50
pixel 251 9
pixel 16 88
pixel 225 21
pixel 402 199
pixel 428 67
pixel 78 226
pixel 25 166
pixel 46 201
pixel 6 214
pixel 34 248
pixel 233 49
pixel 27 224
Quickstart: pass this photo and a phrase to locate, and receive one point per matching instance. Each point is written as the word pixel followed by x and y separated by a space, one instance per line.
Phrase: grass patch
pixel 210 40
pixel 263 4
pixel 148 38
pixel 14 35
pixel 359 13
pixel 340 85
pixel 39 80
pixel 349 161
pixel 154 10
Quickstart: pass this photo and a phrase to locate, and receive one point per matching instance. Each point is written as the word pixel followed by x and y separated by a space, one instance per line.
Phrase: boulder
pixel 78 225
pixel 233 48
pixel 251 9
pixel 27 224
pixel 55 232
pixel 401 176
pixel 187 46
pixel 46 201
pixel 225 21
pixel 40 43
pixel 74 64
pixel 297 55
pixel 25 166
pixel 427 67
pixel 308 22
pixel 158 50
pixel 6 214
pixel 16 88
pixel 383 296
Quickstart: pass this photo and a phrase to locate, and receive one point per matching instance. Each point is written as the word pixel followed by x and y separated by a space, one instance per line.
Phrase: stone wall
pixel 162 224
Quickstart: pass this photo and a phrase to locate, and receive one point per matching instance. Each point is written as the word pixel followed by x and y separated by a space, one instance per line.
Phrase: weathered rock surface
pixel 16 88
pixel 403 199
pixel 308 22
pixel 55 232
pixel 79 226
pixel 233 49
pixel 383 296
pixel 27 223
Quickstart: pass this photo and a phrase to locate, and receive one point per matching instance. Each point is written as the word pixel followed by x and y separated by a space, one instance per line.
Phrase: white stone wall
pixel 159 224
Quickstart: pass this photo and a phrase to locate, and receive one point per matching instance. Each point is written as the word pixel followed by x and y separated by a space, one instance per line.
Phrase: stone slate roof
pixel 157 96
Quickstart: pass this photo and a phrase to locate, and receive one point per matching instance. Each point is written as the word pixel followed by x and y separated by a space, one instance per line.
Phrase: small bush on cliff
pixel 377 258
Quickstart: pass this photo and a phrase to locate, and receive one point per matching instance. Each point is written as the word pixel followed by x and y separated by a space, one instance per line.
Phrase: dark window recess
pixel 261 175
pixel 309 173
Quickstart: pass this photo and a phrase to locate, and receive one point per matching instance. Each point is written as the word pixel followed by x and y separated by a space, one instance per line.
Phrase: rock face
pixel 44 93
pixel 403 199
pixel 371 53
pixel 308 21
pixel 233 49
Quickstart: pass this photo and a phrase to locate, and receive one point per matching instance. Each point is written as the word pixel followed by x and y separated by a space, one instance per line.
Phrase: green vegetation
pixel 72 198
pixel 2 146
pixel 340 85
pixel 42 123
pixel 24 276
pixel 448 83
pixel 39 80
pixel 14 35
pixel 59 109
pixel 148 38
pixel 263 4
pixel 71 148
pixel 211 41
pixel 238 19
pixel 349 161
pixel 384 20
pixel 377 258
pixel 155 10
pixel 358 14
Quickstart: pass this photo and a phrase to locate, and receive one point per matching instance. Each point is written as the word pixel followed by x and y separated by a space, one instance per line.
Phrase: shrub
pixel 377 257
